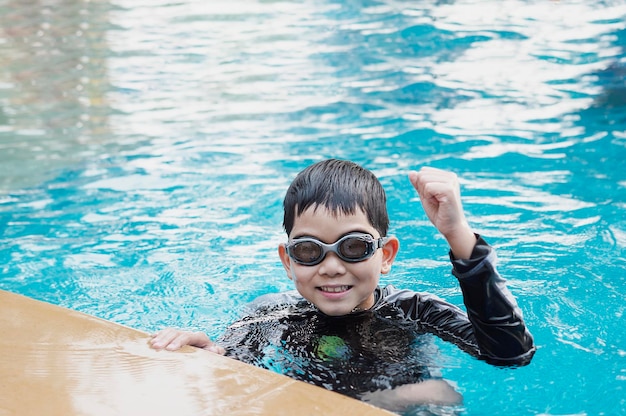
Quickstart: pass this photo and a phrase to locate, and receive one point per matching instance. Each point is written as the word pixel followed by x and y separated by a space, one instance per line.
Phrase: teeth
pixel 334 289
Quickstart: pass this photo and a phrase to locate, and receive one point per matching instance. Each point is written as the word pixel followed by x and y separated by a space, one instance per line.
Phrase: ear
pixel 389 254
pixel 285 259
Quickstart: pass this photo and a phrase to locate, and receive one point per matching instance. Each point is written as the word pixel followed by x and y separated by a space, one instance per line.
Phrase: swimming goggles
pixel 351 248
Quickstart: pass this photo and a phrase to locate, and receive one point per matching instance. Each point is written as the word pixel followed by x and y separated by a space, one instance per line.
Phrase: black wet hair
pixel 340 186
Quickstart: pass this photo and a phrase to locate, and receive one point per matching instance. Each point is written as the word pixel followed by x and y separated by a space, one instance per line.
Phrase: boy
pixel 344 332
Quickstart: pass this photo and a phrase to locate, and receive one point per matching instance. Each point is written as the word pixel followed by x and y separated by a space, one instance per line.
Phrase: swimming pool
pixel 145 148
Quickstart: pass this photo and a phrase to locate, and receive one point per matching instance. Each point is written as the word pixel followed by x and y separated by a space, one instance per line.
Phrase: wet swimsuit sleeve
pixel 493 328
pixel 498 324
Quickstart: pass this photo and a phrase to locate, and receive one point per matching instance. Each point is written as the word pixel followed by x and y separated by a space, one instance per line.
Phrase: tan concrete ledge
pixel 56 361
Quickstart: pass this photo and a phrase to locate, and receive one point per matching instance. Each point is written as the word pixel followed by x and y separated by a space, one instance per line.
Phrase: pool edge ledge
pixel 61 361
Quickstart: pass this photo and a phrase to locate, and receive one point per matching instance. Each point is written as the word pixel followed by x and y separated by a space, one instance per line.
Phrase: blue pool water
pixel 145 147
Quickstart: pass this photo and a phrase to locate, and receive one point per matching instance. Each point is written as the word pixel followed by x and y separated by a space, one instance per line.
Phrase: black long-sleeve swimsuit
pixel 391 343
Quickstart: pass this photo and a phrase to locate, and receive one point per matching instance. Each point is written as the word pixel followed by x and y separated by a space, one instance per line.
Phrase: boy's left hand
pixel 173 339
pixel 440 194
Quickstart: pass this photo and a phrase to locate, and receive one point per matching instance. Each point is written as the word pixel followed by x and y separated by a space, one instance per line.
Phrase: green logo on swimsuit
pixel 331 347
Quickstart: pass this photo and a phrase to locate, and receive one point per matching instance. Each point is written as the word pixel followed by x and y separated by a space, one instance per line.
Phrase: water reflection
pixel 53 102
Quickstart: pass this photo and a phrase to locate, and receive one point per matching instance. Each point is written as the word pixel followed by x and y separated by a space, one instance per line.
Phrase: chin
pixel 335 311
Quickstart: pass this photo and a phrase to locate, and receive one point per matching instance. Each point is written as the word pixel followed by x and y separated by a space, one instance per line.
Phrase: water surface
pixel 145 147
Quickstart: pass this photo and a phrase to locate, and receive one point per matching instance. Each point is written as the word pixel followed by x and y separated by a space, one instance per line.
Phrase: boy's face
pixel 335 286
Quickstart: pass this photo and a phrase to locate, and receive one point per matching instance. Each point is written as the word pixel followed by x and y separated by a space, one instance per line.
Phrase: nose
pixel 332 266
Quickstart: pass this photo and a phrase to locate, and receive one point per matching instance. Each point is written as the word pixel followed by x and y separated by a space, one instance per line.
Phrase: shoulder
pixel 412 303
pixel 391 294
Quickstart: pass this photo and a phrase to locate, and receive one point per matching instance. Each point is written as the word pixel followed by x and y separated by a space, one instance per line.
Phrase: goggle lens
pixel 355 248
pixel 305 252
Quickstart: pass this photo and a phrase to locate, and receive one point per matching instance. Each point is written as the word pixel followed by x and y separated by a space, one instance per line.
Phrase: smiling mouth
pixel 334 289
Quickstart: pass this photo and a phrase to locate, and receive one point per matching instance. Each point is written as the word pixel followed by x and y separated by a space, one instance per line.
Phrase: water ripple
pixel 145 147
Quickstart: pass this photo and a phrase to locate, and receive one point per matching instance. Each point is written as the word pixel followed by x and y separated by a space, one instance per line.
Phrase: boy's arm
pixel 496 321
pixel 492 329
